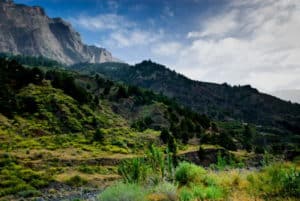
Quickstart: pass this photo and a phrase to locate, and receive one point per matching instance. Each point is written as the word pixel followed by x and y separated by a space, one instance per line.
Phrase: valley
pixel 79 124
pixel 59 144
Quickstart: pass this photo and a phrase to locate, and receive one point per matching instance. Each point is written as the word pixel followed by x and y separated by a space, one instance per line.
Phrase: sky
pixel 234 41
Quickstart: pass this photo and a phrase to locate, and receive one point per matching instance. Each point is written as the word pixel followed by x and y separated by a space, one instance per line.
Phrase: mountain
pixel 61 130
pixel 292 95
pixel 29 31
pixel 61 101
pixel 218 101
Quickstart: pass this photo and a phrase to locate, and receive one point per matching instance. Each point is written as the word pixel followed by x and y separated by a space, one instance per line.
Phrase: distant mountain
pixel 29 31
pixel 218 101
pixel 292 95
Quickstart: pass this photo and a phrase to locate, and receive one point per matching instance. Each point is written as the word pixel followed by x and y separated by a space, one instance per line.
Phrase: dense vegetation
pixel 48 115
pixel 220 102
pixel 59 127
pixel 31 60
pixel 147 110
pixel 154 178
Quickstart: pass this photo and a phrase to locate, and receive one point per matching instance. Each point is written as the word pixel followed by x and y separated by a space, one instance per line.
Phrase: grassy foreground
pixel 155 179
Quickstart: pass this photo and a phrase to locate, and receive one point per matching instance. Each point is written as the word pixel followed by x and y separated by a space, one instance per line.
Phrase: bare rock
pixel 29 31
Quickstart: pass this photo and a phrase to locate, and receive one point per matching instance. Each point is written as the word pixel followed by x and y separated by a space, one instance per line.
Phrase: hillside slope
pixel 57 126
pixel 62 131
pixel 222 102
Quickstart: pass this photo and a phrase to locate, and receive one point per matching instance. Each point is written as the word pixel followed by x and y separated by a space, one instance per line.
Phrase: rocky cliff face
pixel 29 31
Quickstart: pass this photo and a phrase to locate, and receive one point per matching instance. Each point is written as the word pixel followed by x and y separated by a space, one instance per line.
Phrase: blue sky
pixel 167 20
pixel 235 41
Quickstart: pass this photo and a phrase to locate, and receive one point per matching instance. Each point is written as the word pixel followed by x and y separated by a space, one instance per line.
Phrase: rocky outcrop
pixel 29 31
pixel 205 157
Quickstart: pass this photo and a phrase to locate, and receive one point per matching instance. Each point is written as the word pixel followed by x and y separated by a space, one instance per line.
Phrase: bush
pixel 86 169
pixel 186 195
pixel 98 135
pixel 133 171
pixel 226 141
pixel 156 161
pixel 29 193
pixel 76 181
pixel 275 180
pixel 168 190
pixel 214 193
pixel 123 192
pixel 16 179
pixel 164 136
pixel 187 173
pixel 221 162
pixel 199 192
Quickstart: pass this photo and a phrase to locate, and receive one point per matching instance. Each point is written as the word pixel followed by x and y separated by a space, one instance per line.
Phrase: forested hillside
pixel 218 101
pixel 65 129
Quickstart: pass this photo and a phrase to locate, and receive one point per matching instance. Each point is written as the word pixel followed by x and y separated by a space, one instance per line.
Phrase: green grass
pixel 76 181
pixel 188 173
pixel 124 192
pixel 15 178
pixel 281 180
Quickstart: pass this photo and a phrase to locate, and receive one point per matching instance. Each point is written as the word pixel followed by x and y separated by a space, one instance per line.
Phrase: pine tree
pixel 98 135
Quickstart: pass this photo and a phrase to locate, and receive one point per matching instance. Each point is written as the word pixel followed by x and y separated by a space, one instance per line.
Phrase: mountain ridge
pixel 53 38
pixel 218 101
pixel 292 95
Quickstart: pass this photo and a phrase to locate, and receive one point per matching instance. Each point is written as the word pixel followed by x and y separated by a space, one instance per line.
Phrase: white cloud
pixel 251 42
pixel 217 26
pixel 167 49
pixel 102 22
pixel 128 38
pixel 122 32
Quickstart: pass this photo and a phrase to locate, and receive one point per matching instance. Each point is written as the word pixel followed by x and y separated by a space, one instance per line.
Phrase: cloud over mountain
pixel 249 42
pixel 239 42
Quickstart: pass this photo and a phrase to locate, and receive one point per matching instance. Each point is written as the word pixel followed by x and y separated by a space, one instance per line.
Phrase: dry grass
pixel 97 180
pixel 242 196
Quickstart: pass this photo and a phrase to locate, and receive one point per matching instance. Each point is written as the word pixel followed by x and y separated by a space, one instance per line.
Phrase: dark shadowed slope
pixel 223 102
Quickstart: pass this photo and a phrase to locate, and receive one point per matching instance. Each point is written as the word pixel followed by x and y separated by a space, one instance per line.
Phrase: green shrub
pixel 16 179
pixel 89 169
pixel 98 135
pixel 28 193
pixel 134 170
pixel 76 181
pixel 199 192
pixel 123 192
pixel 164 136
pixel 267 159
pixel 86 169
pixel 221 162
pixel 155 158
pixel 275 180
pixel 15 188
pixel 214 193
pixel 186 194
pixel 167 189
pixel 187 173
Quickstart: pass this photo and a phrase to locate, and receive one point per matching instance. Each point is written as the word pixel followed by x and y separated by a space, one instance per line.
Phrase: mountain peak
pixel 53 38
pixel 7 1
